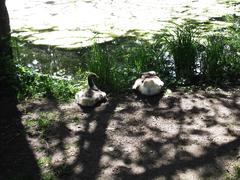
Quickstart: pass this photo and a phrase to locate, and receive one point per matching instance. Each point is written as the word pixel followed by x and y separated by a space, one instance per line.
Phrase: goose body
pixel 148 84
pixel 91 96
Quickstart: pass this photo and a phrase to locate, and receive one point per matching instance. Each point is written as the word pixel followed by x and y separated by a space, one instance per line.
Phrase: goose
pixel 148 84
pixel 91 96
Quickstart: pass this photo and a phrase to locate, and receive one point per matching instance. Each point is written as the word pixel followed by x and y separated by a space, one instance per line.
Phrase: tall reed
pixel 182 44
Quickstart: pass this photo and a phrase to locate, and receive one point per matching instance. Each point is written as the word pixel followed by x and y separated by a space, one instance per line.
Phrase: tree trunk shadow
pixel 17 158
pixel 91 143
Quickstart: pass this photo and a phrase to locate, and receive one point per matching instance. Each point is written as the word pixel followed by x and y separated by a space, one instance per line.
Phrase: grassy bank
pixel 183 56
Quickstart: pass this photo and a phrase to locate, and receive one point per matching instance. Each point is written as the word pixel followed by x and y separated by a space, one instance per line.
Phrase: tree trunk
pixel 17 160
pixel 7 67
pixel 5 48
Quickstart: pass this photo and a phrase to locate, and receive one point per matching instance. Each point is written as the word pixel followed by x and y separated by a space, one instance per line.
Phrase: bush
pixel 222 59
pixel 33 84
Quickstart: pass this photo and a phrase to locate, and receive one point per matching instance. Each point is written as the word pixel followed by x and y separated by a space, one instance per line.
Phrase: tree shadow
pixel 209 158
pixel 185 136
pixel 90 138
pixel 150 100
pixel 17 158
pixel 175 149
pixel 90 155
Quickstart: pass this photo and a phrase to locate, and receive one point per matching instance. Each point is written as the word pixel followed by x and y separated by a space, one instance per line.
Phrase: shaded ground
pixel 182 136
pixel 17 160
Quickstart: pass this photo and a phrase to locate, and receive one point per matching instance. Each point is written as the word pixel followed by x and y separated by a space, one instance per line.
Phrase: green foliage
pixel 49 175
pixel 215 57
pixel 101 64
pixel 235 174
pixel 44 161
pixel 42 123
pixel 183 45
pixel 36 84
pixel 179 57
pixel 111 71
pixel 119 64
pixel 222 59
pixel 182 57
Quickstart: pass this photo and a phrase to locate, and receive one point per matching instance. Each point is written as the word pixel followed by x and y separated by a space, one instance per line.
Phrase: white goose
pixel 91 96
pixel 148 84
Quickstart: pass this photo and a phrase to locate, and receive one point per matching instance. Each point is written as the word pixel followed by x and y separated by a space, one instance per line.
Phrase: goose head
pixel 91 96
pixel 91 77
pixel 148 74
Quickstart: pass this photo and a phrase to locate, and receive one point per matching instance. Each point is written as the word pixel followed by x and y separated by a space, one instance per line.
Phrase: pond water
pixel 78 23
pixel 57 35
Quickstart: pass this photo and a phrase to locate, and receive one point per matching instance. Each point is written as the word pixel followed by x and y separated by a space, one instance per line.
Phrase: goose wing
pixel 158 81
pixel 137 83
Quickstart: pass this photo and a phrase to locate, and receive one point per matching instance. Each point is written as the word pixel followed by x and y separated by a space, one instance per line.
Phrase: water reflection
pixel 50 60
pixel 77 22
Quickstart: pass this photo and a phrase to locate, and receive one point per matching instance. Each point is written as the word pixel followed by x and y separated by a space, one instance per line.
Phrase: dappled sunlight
pixel 76 23
pixel 191 130
pixel 186 135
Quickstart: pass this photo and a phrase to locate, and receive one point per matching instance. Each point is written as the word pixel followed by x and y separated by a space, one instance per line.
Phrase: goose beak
pixel 94 75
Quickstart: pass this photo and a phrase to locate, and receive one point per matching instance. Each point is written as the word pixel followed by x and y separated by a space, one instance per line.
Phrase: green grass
pixel 213 64
pixel 76 119
pixel 182 56
pixel 101 64
pixel 222 59
pixel 234 175
pixel 49 175
pixel 44 161
pixel 118 64
pixel 42 123
pixel 54 173
pixel 183 44
pixel 34 84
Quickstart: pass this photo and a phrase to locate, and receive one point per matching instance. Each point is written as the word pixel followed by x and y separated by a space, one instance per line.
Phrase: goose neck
pixel 92 84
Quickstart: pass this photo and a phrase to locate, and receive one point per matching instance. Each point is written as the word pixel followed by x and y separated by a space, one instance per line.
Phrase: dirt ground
pixel 183 135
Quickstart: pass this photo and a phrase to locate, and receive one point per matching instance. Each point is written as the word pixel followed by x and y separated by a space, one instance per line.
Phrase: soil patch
pixel 186 135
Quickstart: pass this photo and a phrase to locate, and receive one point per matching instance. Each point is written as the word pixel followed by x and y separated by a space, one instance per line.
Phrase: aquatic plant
pixel 182 44
pixel 181 56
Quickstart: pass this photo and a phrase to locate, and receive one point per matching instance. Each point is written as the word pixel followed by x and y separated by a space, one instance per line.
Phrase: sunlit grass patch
pixel 44 161
pixel 42 123
pixel 48 175
pixel 234 174
pixel 76 119
pixel 45 165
